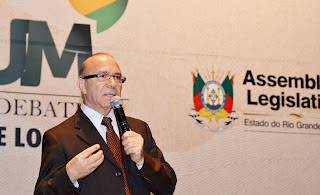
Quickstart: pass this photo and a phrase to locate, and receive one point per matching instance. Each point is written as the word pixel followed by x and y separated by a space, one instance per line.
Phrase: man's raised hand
pixel 84 163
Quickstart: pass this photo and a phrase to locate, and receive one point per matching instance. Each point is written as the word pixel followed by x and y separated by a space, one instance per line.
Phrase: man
pixel 77 157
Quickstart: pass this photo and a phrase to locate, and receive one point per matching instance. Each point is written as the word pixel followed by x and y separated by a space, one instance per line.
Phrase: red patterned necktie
pixel 113 143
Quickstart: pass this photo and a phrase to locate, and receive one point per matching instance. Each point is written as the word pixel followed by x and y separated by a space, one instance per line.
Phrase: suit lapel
pixel 89 134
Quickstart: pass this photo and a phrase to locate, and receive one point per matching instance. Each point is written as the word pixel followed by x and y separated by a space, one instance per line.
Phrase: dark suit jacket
pixel 63 142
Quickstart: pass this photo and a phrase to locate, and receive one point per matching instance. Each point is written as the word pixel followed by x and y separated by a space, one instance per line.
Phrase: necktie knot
pixel 106 121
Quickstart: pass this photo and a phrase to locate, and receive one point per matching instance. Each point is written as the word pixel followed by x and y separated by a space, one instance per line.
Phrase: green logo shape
pixel 106 12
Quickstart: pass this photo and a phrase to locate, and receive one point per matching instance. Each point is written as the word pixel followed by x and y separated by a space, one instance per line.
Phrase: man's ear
pixel 82 86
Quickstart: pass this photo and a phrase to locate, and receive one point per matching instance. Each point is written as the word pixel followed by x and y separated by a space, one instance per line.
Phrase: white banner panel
pixel 229 88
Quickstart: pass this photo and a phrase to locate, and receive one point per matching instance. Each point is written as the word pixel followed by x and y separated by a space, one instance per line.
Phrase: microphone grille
pixel 116 101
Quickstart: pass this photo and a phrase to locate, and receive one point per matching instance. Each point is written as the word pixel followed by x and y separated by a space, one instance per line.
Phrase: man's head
pixel 100 80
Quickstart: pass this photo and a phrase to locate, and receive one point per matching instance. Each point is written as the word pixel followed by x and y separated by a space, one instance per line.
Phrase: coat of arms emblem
pixel 213 99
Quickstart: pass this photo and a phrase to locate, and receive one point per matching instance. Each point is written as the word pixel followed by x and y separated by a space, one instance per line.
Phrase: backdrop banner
pixel 230 89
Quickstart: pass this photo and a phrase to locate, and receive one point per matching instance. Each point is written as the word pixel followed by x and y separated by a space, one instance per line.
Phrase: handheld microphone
pixel 116 103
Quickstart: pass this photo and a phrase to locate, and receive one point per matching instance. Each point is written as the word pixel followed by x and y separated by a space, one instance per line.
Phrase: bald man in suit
pixel 76 158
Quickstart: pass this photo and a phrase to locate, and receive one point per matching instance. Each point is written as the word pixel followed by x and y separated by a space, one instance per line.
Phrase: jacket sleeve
pixel 159 175
pixel 53 178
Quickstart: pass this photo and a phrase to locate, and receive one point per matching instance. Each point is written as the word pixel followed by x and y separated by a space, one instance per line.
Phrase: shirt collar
pixel 95 117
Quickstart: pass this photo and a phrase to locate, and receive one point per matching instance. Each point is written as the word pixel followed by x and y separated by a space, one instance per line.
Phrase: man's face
pixel 97 95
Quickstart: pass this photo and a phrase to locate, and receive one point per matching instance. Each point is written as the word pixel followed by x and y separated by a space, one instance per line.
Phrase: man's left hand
pixel 133 146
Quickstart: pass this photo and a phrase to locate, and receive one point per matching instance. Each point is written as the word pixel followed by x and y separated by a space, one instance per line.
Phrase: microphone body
pixel 116 103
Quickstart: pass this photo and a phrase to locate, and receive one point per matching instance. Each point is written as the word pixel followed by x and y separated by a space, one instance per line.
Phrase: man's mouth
pixel 109 94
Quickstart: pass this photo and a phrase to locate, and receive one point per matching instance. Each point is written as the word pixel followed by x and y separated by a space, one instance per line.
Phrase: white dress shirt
pixel 96 119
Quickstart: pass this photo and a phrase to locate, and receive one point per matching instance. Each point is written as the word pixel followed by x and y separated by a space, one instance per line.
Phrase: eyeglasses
pixel 103 77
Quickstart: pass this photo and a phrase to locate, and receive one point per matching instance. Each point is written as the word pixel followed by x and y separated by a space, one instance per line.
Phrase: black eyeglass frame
pixel 123 79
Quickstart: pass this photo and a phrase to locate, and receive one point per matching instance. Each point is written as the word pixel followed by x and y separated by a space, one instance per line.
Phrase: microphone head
pixel 116 102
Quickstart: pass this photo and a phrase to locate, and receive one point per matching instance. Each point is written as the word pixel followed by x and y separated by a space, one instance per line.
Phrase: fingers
pixel 132 141
pixel 96 159
pixel 84 163
pixel 133 146
pixel 87 152
pixel 131 136
pixel 91 159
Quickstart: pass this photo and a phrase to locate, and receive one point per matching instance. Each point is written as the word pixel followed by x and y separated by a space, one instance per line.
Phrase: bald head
pixel 83 67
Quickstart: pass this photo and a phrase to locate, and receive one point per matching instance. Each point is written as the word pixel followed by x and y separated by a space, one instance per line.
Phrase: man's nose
pixel 112 81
